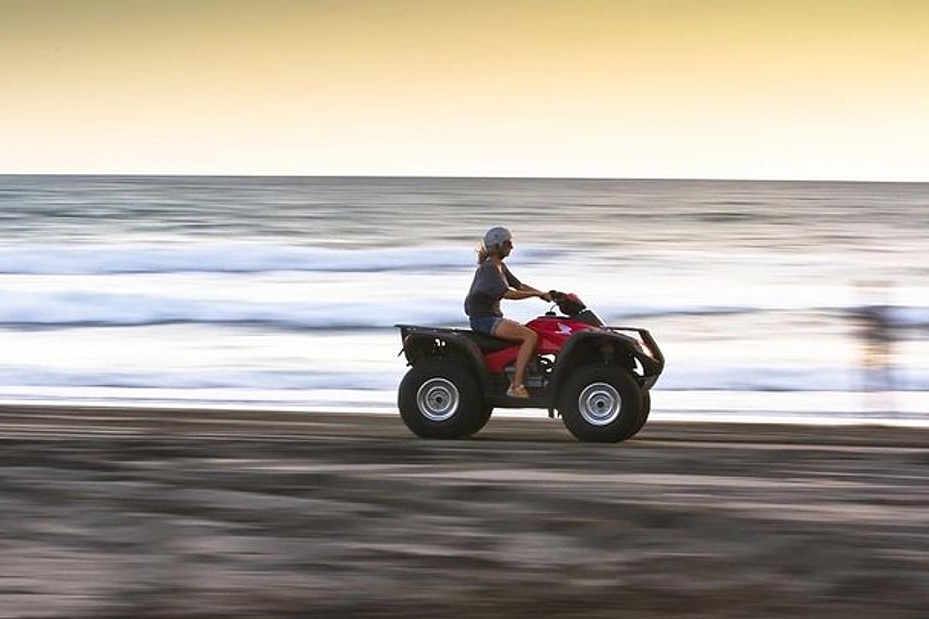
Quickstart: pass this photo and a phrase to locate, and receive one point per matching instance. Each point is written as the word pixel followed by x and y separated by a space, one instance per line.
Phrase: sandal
pixel 517 391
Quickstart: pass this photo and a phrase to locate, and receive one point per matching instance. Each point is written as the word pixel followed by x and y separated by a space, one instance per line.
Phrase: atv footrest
pixel 502 401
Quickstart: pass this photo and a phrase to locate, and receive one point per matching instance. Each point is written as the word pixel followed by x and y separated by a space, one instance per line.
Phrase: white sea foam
pixel 231 258
pixel 256 379
pixel 56 309
pixel 849 377
pixel 718 378
pixel 348 310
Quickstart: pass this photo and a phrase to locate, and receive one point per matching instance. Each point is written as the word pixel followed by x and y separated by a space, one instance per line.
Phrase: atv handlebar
pixel 571 305
pixel 568 303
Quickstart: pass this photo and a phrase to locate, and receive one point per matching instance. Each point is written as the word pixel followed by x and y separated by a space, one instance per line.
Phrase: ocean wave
pixel 741 379
pixel 197 379
pixel 73 308
pixel 795 378
pixel 233 258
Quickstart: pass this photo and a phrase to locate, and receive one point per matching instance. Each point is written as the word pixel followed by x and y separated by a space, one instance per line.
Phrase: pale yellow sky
pixel 787 89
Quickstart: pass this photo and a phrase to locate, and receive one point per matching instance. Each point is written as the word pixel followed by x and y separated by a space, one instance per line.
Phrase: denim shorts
pixel 485 324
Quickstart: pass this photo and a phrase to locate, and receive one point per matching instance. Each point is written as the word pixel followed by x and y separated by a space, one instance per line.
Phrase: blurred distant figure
pixel 877 337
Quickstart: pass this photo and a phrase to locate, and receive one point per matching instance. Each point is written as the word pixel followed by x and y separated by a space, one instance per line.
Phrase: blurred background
pixel 336 164
pixel 363 135
pixel 793 297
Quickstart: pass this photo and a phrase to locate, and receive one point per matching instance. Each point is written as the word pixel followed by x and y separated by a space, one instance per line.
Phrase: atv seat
pixel 488 343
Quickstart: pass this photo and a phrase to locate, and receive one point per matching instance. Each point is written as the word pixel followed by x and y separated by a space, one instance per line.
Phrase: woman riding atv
pixel 494 281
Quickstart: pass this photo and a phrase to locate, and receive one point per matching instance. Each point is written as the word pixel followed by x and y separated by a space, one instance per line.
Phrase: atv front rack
pixel 646 341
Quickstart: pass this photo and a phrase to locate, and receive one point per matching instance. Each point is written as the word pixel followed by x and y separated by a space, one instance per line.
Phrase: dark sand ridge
pixel 159 513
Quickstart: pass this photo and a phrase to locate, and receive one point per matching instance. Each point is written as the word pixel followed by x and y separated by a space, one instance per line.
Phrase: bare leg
pixel 527 338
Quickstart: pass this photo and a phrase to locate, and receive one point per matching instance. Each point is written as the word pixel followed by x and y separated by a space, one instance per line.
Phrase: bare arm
pixel 526 292
pixel 517 289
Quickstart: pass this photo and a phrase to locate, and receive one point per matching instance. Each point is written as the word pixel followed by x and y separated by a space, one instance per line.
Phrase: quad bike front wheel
pixel 646 409
pixel 440 399
pixel 601 403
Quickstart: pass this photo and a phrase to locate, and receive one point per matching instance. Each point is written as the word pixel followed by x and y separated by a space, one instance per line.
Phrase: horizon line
pixel 462 177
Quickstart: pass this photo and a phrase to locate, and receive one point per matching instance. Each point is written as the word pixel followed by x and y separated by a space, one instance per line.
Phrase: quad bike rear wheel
pixel 479 421
pixel 601 403
pixel 440 399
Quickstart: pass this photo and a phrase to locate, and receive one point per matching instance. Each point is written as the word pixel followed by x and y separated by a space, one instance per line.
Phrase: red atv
pixel 596 377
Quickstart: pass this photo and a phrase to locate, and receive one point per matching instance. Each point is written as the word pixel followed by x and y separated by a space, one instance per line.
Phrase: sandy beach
pixel 204 513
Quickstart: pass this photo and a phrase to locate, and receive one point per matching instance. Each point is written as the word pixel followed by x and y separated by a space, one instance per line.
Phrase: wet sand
pixel 160 513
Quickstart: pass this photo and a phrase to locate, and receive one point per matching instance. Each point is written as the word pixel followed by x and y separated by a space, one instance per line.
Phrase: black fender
pixel 425 343
pixel 602 346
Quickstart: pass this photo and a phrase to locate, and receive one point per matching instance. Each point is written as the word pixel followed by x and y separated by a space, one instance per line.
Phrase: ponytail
pixel 482 254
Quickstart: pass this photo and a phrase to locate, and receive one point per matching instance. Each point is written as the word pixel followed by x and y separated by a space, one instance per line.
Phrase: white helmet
pixel 495 238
